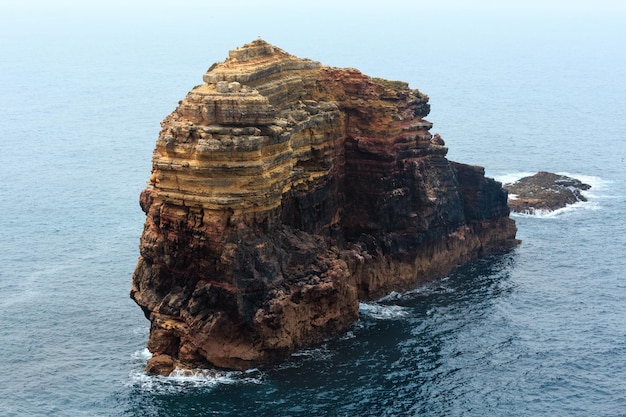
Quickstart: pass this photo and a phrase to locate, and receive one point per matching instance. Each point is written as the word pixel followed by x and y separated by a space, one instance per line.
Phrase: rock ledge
pixel 544 191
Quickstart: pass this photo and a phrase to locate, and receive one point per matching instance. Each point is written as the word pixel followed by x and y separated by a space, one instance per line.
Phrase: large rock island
pixel 282 193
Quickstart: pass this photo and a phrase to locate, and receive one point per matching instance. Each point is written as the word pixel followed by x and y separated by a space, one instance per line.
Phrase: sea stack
pixel 282 193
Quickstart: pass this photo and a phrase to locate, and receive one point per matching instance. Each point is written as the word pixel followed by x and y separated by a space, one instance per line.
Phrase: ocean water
pixel 537 331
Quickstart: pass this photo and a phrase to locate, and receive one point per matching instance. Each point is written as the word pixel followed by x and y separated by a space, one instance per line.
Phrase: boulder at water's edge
pixel 545 191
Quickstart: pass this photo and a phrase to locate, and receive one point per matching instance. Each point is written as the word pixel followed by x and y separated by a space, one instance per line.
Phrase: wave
pixel 181 379
pixel 511 177
pixel 298 358
pixel 143 355
pixel 597 191
pixel 569 209
pixel 593 180
pixel 382 311
pixel 321 352
pixel 439 286
pixel 141 330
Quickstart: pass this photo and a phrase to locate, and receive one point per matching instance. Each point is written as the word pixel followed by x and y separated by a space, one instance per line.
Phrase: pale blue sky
pixel 235 20
pixel 618 6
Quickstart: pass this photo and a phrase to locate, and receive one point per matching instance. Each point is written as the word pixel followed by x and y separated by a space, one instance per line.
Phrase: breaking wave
pixel 569 209
pixel 595 193
pixel 181 379
pixel 383 312
pixel 595 181
pixel 511 177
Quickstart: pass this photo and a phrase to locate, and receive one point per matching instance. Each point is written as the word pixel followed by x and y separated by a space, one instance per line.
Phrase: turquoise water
pixel 537 331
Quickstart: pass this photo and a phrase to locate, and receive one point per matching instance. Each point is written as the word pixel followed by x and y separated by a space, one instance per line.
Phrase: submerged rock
pixel 282 193
pixel 544 191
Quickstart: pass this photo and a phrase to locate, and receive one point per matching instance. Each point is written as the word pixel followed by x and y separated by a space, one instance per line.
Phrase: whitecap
pixel 382 311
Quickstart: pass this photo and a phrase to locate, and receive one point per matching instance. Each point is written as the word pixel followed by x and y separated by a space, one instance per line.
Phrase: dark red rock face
pixel 283 192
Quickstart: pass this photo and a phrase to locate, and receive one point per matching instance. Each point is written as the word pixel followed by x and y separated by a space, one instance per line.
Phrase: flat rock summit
pixel 283 192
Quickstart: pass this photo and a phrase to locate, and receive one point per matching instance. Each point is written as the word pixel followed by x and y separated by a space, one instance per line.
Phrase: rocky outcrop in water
pixel 282 193
pixel 544 191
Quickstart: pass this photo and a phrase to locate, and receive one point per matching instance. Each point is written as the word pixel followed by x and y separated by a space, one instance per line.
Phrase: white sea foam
pixel 382 311
pixel 569 209
pixel 321 352
pixel 438 286
pixel 347 336
pixel 393 295
pixel 181 379
pixel 597 191
pixel 299 358
pixel 141 330
pixel 143 354
pixel 510 178
pixel 212 377
pixel 184 378
pixel 594 181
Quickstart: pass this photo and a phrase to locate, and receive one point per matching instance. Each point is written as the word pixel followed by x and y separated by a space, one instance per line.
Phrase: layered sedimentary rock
pixel 282 193
pixel 545 191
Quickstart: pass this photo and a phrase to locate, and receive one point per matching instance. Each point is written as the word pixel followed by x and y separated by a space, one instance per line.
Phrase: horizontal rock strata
pixel 282 193
pixel 545 191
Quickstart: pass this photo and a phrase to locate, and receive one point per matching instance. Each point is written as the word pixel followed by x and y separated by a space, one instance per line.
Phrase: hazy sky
pixel 495 5
pixel 19 17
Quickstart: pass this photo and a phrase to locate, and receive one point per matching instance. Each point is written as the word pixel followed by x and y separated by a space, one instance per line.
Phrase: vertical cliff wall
pixel 282 192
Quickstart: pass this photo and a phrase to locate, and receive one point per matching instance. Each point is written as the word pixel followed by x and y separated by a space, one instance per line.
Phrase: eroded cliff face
pixel 284 191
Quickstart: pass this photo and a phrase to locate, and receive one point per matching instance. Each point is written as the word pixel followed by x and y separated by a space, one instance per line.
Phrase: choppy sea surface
pixel 537 331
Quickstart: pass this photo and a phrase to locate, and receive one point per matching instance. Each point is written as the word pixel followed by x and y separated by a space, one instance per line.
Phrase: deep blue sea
pixel 538 331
